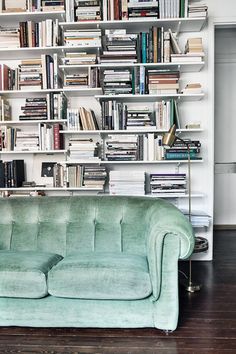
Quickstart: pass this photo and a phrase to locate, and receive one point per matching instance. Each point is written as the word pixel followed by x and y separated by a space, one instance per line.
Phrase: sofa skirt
pixel 64 312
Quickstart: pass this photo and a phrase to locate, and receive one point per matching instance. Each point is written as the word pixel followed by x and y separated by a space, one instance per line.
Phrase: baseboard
pixel 224 227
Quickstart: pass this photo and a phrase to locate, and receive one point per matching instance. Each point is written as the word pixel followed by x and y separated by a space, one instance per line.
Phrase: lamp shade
pixel 169 137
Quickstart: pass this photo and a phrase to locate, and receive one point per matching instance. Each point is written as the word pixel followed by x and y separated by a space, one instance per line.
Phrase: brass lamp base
pixel 192 288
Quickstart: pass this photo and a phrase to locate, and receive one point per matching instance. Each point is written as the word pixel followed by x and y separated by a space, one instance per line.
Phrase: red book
pixel 57 137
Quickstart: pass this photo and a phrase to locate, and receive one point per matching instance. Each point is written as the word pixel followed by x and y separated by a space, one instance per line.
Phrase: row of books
pixel 120 116
pixel 94 10
pixel 32 5
pixel 5 110
pixel 12 173
pixel 79 176
pixel 51 107
pixel 81 119
pixel 139 80
pixel 40 34
pixel 148 147
pixel 168 183
pixel 31 74
pixel 133 147
pixel 47 138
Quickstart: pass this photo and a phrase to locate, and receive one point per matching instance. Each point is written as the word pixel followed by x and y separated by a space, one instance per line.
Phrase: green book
pixel 182 8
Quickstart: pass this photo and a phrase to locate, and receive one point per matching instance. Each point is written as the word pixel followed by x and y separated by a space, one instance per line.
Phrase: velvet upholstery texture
pixel 149 228
pixel 101 275
pixel 24 274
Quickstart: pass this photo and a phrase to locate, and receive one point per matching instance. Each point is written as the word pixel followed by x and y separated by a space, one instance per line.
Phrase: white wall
pixel 221 14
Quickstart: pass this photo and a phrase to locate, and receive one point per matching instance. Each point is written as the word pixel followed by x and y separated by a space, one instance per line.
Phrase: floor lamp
pixel 168 140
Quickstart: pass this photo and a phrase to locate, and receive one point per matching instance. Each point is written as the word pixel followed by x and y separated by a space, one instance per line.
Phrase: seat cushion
pixel 98 275
pixel 24 274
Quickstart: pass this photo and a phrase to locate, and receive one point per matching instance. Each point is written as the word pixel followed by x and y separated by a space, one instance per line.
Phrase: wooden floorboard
pixel 207 322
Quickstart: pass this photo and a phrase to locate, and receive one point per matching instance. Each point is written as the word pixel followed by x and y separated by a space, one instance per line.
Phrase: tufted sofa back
pixel 65 225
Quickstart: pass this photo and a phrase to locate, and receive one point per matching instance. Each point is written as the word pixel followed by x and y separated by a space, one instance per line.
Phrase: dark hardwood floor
pixel 207 321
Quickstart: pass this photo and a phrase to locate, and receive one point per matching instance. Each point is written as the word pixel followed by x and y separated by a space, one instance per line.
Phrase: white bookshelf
pixel 193 107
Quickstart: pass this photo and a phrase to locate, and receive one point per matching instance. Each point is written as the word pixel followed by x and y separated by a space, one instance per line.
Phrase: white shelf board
pixel 182 67
pixel 76 92
pixel 151 98
pixel 46 152
pixel 28 189
pixel 34 52
pixel 176 24
pixel 175 195
pixel 81 162
pixel 133 131
pixel 6 17
pixel 27 93
pixel 33 122
pixel 71 92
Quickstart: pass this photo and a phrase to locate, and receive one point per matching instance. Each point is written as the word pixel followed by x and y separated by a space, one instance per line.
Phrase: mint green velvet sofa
pixel 91 261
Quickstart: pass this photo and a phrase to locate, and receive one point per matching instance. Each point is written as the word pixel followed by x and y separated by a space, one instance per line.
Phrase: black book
pixel 18 173
pixel 2 178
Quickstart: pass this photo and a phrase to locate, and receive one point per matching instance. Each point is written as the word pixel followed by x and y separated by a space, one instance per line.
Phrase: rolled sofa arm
pixel 164 219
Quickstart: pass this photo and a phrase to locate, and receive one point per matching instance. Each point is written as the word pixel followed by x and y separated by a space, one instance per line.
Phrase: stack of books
pixel 27 141
pixel 194 46
pixel 83 149
pixel 40 34
pixel 197 10
pixel 167 183
pixel 119 47
pixel 121 147
pixel 9 37
pixel 53 106
pixel 52 5
pixel 5 110
pixel 139 118
pixel 116 81
pixel 79 80
pixel 162 81
pixel 94 177
pixel 30 74
pixel 88 10
pixel 127 182
pixel 34 108
pixel 12 173
pixel 82 58
pixel 192 88
pixel 81 119
pixel 50 137
pixel 15 6
pixel 36 74
pixel 179 150
pixel 82 38
pixel 87 79
pixel 143 9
